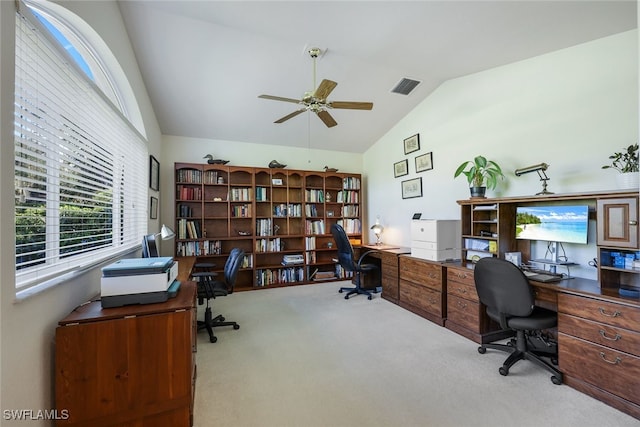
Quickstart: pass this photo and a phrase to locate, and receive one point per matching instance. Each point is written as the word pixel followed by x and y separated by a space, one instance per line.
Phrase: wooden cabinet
pixel 465 314
pixel 128 366
pixel 599 349
pixel 422 288
pixel 618 222
pixel 270 214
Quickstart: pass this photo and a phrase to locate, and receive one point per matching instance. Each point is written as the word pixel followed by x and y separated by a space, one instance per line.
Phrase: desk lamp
pixel 540 168
pixel 377 229
pixel 166 233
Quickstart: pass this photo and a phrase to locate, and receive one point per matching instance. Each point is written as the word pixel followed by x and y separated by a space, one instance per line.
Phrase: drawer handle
pixel 604 335
pixel 615 362
pixel 462 304
pixel 633 222
pixel 461 275
pixel 462 290
pixel 604 313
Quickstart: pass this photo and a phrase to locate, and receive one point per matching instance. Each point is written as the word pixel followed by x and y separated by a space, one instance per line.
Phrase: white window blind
pixel 80 167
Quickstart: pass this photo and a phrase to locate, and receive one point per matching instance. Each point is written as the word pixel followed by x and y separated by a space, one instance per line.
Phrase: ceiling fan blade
pixel 279 98
pixel 351 105
pixel 327 119
pixel 291 115
pixel 325 88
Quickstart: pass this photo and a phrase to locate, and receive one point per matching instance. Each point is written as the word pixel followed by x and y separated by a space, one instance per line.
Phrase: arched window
pixel 80 192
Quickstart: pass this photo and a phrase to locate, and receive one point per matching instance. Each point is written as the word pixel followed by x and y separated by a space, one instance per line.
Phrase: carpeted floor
pixel 304 356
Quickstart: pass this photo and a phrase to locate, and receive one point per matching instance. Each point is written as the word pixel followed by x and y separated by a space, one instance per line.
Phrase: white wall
pixel 571 109
pixel 27 328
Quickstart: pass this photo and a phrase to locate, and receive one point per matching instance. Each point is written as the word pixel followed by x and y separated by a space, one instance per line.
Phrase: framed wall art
pixel 412 188
pixel 153 208
pixel 424 162
pixel 154 173
pixel 412 144
pixel 400 168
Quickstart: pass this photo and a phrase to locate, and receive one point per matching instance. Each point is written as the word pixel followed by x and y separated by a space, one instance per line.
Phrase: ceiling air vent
pixel 405 86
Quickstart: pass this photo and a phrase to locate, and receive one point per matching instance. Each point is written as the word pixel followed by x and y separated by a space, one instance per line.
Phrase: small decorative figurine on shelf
pixel 213 161
pixel 274 164
pixel 327 196
pixel 328 169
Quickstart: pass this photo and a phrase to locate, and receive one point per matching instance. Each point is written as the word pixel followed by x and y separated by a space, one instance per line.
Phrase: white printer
pixel 436 239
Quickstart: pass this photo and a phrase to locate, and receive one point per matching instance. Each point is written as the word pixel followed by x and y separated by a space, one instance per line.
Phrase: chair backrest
pixel 503 287
pixel 149 247
pixel 345 250
pixel 232 266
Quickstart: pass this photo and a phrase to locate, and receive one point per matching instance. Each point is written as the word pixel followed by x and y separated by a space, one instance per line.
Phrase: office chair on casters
pixel 347 260
pixel 209 288
pixel 510 299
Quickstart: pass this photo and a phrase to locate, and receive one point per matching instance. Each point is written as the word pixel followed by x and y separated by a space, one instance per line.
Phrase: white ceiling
pixel 204 63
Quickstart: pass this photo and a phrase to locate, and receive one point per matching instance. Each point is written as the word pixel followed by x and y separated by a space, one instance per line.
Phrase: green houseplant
pixel 625 162
pixel 481 174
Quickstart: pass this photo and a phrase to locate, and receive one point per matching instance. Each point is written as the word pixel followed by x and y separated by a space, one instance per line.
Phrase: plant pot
pixel 478 192
pixel 628 180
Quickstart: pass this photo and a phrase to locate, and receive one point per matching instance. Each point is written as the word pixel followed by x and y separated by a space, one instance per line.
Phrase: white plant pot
pixel 628 180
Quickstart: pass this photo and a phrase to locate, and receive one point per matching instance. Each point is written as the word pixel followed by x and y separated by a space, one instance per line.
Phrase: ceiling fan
pixel 316 101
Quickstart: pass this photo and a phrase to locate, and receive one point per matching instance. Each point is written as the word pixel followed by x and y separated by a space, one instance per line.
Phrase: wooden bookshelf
pixel 269 213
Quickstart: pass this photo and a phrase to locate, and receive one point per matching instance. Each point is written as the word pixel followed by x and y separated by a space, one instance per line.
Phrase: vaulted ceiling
pixel 205 63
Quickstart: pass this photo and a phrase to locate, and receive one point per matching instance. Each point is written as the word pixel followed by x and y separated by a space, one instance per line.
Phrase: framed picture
pixel 276 181
pixel 153 208
pixel 412 144
pixel 412 188
pixel 424 162
pixel 154 173
pixel 400 168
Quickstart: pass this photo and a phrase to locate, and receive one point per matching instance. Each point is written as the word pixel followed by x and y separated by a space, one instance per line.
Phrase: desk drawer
pixel 465 313
pixel 599 333
pixel 609 313
pixel 461 283
pixel 421 297
pixel 607 369
pixel 421 271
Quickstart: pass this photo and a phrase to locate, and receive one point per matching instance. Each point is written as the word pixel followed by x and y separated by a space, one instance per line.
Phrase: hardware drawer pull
pixel 615 362
pixel 633 222
pixel 462 290
pixel 604 313
pixel 462 304
pixel 604 335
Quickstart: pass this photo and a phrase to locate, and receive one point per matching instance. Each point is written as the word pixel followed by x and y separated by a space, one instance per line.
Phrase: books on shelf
pixel 189 229
pixel 351 225
pixel 314 227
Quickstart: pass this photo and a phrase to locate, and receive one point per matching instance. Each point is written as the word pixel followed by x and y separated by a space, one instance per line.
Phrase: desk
pixel 386 256
pixel 598 333
pixel 128 366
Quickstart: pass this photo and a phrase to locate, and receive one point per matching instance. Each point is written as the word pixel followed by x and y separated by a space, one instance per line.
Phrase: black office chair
pixel 347 260
pixel 509 298
pixel 209 288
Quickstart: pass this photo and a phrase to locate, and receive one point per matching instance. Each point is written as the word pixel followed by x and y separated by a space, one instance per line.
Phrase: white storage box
pixel 436 239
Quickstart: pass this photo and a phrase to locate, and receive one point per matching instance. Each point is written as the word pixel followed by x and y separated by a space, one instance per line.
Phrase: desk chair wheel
pixel 369 297
pixel 482 350
pixel 236 326
pixel 556 380
pixel 213 339
pixel 503 371
pixel 340 291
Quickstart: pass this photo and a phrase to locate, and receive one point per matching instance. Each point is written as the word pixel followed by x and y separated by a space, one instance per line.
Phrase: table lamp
pixel 377 229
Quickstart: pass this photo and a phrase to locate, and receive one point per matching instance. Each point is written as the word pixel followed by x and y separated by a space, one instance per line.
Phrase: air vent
pixel 405 86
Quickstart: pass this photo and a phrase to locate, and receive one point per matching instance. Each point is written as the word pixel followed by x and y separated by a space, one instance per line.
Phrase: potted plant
pixel 626 162
pixel 482 174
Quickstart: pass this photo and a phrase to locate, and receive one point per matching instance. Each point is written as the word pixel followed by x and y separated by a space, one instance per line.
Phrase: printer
pixel 436 239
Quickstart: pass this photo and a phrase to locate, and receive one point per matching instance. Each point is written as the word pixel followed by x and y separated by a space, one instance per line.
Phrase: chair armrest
pixel 364 255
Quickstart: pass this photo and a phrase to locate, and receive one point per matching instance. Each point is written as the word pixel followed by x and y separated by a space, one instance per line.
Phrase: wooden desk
pixel 387 258
pixel 598 333
pixel 128 366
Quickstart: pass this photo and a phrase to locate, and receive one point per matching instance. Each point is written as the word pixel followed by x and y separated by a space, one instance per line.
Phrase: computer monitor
pixel 568 224
pixel 149 247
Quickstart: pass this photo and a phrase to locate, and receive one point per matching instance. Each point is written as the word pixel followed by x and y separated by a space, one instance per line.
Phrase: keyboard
pixel 540 277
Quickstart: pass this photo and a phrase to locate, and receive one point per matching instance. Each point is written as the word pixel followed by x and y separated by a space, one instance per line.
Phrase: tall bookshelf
pixel 281 219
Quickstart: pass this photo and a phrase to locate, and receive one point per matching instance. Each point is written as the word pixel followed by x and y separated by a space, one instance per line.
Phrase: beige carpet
pixel 304 356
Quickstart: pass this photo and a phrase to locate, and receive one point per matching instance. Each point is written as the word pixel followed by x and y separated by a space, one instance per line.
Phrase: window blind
pixel 80 167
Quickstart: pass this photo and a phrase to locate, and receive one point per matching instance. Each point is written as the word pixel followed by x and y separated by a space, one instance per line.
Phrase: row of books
pixel 351 183
pixel 241 211
pixel 350 210
pixel 309 243
pixel 266 277
pixel 314 227
pixel 240 194
pixel 189 229
pixel 314 196
pixel 213 177
pixel 192 176
pixel 269 245
pixel 197 248
pixel 351 225
pixel 291 210
pixel 189 193
pixel 264 227
pixel 262 194
pixel 348 196
pixel 184 211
